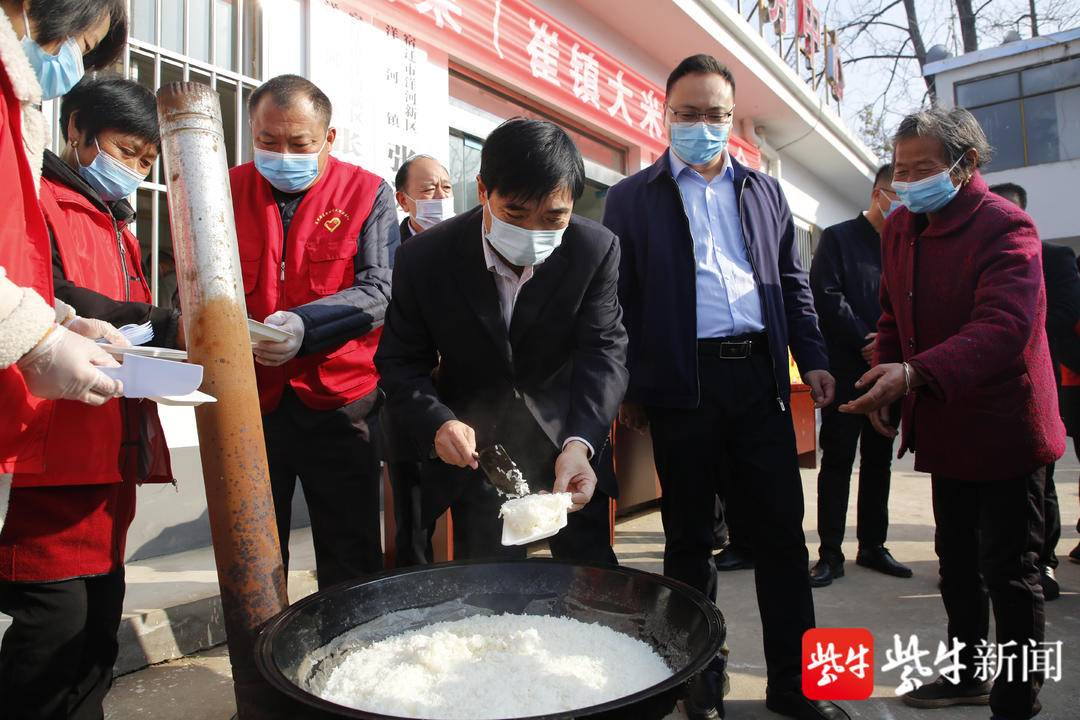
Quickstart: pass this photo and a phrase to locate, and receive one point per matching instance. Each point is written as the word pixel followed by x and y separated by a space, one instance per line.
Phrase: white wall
pixel 1052 192
pixel 811 198
pixel 284 37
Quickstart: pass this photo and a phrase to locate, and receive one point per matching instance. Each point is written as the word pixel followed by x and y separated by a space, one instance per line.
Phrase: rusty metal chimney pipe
pixel 238 498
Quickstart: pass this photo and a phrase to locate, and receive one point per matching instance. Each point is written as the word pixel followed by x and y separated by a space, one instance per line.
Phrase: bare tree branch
pixel 917 44
pixel 892 73
pixel 873 16
pixel 890 56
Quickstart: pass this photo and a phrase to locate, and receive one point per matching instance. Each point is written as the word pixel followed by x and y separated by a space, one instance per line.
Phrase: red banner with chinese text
pixel 528 51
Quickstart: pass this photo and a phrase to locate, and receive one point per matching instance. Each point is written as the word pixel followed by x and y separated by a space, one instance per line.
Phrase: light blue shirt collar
pixel 678 166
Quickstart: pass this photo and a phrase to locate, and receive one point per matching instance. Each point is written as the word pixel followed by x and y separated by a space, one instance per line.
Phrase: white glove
pixel 97 330
pixel 278 353
pixel 64 366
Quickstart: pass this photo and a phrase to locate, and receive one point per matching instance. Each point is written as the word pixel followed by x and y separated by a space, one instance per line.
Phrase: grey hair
pixel 958 131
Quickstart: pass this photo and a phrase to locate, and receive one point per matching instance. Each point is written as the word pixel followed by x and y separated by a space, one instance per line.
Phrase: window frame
pixel 1020 98
pixel 242 84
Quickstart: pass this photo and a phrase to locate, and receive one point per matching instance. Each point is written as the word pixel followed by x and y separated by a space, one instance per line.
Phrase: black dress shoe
pixel 941 694
pixel 730 559
pixel 879 558
pixel 705 695
pixel 1074 554
pixel 795 705
pixel 1051 589
pixel 824 572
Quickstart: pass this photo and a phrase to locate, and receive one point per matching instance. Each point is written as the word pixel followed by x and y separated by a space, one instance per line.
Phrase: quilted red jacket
pixel 963 301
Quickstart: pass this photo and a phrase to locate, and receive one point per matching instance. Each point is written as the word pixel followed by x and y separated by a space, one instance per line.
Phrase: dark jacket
pixel 962 300
pixel 88 303
pixel 562 362
pixel 1062 305
pixel 845 276
pixel 395 445
pixel 657 281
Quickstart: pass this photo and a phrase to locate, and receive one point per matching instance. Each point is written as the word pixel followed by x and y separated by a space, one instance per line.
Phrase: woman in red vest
pixel 45 46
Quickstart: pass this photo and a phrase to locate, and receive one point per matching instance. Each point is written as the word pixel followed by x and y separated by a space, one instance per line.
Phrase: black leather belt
pixel 739 347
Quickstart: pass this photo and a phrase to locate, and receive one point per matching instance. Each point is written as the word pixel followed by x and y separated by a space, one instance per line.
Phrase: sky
pixel 867 82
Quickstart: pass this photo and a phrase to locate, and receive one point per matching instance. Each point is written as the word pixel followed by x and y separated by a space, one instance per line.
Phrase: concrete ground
pixel 198 687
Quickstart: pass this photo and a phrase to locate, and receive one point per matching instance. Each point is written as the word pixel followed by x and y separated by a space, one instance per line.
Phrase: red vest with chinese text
pixel 314 261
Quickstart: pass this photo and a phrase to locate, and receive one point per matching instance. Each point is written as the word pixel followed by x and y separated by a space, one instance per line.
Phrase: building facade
pixel 436 76
pixel 1026 96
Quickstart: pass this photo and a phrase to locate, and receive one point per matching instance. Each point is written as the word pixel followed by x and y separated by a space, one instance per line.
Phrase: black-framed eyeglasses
pixel 711 118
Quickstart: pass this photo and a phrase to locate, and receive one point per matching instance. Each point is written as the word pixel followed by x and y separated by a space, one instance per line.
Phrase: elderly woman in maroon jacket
pixel 962 340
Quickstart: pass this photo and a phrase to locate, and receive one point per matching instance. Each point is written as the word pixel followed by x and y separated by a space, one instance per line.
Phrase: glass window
pixel 591 202
pixel 489 100
pixel 171 72
pixel 1051 77
pixel 1052 124
pixel 246 149
pixel 990 90
pixel 144 20
pixel 144 217
pixel 1001 123
pixel 225 34
pixel 172 25
pixel 252 66
pixel 141 70
pixel 227 91
pixel 206 31
pixel 166 266
pixel 199 29
pixel 464 167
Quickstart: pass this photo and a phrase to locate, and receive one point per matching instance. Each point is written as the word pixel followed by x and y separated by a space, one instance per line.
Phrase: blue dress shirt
pixel 728 303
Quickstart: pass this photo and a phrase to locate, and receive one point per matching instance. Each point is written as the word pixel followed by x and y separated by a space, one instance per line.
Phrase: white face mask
pixel 520 246
pixel 432 211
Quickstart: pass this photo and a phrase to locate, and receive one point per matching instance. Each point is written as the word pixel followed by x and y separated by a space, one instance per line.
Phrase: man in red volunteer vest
pixel 314 236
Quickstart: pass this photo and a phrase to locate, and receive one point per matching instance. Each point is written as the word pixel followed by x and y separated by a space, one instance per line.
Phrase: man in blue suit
pixel 713 294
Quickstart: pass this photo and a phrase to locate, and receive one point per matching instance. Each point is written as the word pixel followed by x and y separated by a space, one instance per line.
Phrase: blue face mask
pixel 55 73
pixel 288 172
pixel 929 194
pixel 893 204
pixel 698 143
pixel 111 178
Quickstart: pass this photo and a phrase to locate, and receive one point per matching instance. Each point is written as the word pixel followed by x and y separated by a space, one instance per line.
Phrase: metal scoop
pixel 502 471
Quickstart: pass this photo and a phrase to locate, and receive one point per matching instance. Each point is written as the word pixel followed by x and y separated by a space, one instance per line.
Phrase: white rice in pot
pixel 501 666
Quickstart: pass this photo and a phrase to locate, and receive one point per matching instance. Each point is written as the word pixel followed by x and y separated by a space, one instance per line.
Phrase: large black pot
pixel 677 621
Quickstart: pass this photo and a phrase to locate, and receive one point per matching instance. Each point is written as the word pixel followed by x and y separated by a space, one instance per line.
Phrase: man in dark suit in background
pixel 845 277
pixel 424 192
pixel 1062 313
pixel 516 302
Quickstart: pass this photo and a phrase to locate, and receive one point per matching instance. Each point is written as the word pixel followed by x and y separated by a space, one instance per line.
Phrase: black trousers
pixel 331 451
pixel 1051 521
pixel 988 539
pixel 738 444
pixel 840 434
pixel 412 541
pixel 56 659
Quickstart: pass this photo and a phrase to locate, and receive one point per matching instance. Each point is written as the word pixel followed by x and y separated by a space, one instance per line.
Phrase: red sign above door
pixel 526 50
